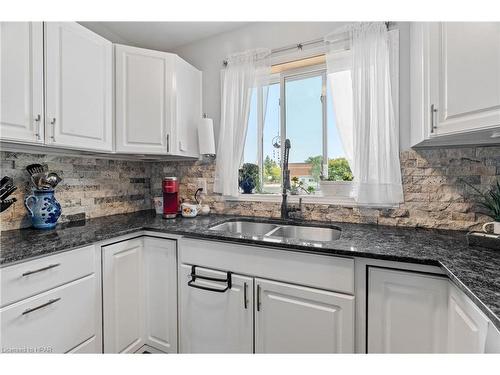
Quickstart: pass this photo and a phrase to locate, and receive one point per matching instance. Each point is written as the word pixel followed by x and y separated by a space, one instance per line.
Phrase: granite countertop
pixel 475 270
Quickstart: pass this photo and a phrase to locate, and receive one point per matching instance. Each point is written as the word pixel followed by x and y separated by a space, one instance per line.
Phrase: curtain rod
pixel 299 46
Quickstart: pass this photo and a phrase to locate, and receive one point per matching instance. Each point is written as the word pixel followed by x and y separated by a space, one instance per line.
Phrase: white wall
pixel 208 55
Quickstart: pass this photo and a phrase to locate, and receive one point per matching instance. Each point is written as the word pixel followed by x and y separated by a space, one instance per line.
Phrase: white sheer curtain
pixel 244 71
pixel 369 128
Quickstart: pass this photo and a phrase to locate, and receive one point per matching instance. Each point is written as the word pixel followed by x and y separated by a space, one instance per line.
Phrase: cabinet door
pixel 406 312
pixel 21 89
pixel 123 296
pixel 160 273
pixel 187 113
pixel 213 322
pixel 78 87
pixel 297 319
pixel 464 76
pixel 467 325
pixel 143 100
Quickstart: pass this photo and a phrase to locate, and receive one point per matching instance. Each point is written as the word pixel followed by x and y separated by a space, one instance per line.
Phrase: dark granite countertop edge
pixel 217 236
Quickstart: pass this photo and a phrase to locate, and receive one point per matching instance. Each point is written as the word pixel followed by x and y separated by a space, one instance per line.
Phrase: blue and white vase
pixel 43 208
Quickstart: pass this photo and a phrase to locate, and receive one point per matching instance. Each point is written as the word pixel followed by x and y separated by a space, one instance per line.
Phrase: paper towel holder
pixel 206 141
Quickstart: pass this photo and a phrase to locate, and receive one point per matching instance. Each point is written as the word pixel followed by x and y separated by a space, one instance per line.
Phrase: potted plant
pixel 339 178
pixel 249 177
pixel 490 200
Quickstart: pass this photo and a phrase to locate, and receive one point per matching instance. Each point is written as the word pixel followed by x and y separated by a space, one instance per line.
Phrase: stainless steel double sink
pixel 278 230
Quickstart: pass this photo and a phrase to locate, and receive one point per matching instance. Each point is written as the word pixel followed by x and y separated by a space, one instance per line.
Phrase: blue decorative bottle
pixel 43 208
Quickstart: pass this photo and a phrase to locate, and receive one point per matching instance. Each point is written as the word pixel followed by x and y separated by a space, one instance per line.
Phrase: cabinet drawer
pixel 55 321
pixel 30 278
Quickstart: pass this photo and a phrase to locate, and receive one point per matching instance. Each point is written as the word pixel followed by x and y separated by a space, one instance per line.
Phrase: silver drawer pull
pixel 42 269
pixel 50 302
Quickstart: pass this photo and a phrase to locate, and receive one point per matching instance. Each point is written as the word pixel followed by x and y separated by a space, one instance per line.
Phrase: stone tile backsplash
pixel 433 183
pixel 91 187
pixel 435 194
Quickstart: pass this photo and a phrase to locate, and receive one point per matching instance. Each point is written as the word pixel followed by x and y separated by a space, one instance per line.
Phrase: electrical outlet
pixel 201 183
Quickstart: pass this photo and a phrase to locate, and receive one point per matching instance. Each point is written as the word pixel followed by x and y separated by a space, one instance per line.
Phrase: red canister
pixel 170 187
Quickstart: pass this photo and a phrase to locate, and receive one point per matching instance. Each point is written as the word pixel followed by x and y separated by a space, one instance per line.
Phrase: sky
pixel 303 122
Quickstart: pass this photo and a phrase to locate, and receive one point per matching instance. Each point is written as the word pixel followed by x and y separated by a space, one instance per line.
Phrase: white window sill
pixel 311 199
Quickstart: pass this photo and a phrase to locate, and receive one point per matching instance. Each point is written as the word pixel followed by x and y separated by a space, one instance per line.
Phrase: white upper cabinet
pixel 455 82
pixel 407 312
pixel 78 87
pixel 187 108
pixel 143 100
pixel 297 319
pixel 21 91
pixel 158 103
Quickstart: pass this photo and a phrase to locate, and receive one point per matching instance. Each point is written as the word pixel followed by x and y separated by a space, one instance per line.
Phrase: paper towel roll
pixel 206 141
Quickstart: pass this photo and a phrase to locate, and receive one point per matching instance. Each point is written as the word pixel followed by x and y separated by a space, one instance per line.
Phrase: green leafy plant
pixel 316 166
pixel 490 199
pixel 339 170
pixel 272 171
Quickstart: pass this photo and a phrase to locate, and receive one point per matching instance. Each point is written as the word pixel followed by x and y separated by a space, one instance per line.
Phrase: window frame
pixel 282 78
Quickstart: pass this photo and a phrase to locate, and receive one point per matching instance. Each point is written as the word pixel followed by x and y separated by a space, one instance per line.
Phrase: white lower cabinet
pixel 223 312
pixel 407 312
pixel 160 282
pixel 467 325
pixel 214 319
pixel 412 312
pixel 123 296
pixel 59 309
pixel 139 294
pixel 56 321
pixel 297 319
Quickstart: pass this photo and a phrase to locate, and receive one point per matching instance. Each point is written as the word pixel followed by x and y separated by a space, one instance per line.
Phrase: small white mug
pixel 494 224
pixel 158 204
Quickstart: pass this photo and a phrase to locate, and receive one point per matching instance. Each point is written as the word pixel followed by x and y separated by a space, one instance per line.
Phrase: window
pixel 296 105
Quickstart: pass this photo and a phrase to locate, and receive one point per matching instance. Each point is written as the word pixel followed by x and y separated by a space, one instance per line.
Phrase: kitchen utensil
pixel 6 203
pixel 5 180
pixel 36 168
pixel 7 192
pixel 39 180
pixel 6 184
pixel 53 179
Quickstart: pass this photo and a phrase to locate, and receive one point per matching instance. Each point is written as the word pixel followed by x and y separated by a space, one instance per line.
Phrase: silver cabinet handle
pixel 433 112
pixel 37 120
pixel 258 297
pixel 50 302
pixel 245 300
pixel 168 142
pixel 53 123
pixel 41 269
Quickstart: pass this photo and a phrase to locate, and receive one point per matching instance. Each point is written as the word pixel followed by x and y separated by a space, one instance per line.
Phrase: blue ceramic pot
pixel 43 208
pixel 247 185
